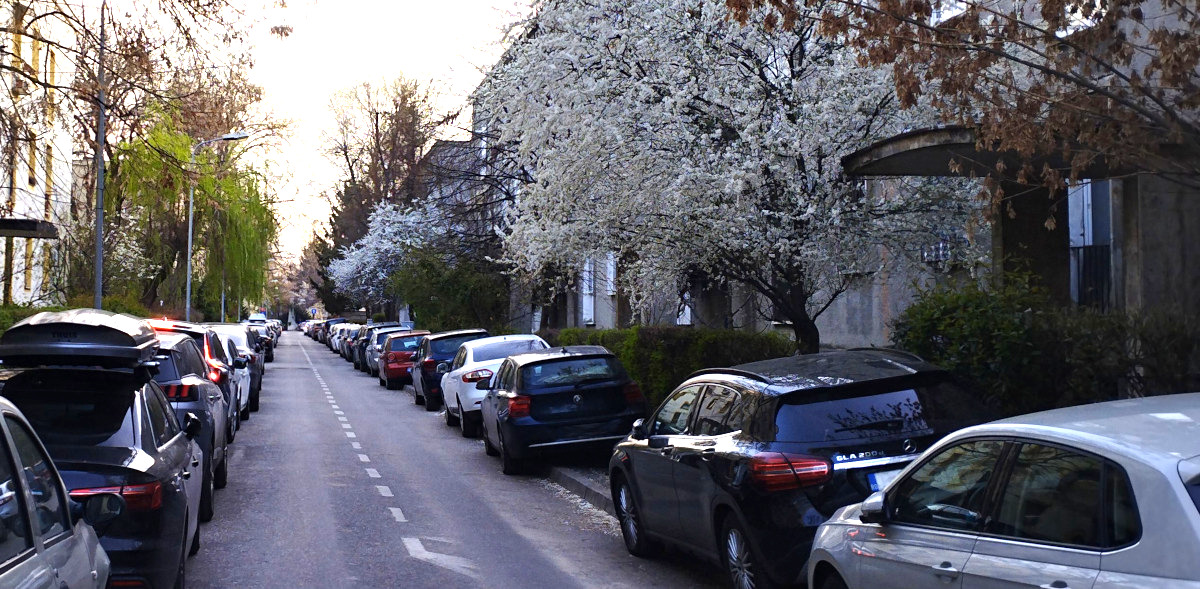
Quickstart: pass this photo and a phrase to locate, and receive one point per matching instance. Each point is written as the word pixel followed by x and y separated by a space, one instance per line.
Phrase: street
pixel 338 482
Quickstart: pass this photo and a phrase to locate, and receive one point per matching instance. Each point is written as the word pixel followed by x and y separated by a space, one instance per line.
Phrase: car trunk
pixel 588 400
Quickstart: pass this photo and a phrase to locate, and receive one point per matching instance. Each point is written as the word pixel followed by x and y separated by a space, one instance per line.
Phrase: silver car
pixel 1100 496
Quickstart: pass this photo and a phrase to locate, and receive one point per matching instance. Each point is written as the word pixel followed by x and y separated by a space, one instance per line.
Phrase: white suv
pixel 476 361
pixel 1102 496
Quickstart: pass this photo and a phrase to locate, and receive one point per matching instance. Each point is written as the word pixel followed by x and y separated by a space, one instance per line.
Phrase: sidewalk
pixel 591 484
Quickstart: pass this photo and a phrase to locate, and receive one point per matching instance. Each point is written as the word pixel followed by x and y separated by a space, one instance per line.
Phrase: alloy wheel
pixel 628 516
pixel 737 557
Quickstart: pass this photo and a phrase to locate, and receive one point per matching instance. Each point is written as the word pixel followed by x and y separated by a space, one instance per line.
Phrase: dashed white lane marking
pixel 351 435
pixel 373 473
pixel 363 458
pixel 338 412
pixel 356 445
pixel 398 515
pixel 450 562
pixel 384 491
pixel 346 426
pixel 343 419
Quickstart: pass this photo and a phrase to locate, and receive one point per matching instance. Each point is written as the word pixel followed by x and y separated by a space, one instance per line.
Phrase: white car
pixel 1100 496
pixel 236 347
pixel 476 361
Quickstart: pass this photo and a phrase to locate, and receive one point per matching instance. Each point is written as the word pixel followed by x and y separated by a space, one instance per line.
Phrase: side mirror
pixel 659 442
pixel 443 368
pixel 192 425
pixel 239 362
pixel 102 508
pixel 639 430
pixel 483 385
pixel 873 509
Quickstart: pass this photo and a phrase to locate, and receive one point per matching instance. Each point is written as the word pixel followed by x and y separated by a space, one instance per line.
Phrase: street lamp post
pixel 187 310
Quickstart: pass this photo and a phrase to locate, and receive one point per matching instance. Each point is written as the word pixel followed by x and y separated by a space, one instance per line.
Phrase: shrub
pixel 660 358
pixel 11 314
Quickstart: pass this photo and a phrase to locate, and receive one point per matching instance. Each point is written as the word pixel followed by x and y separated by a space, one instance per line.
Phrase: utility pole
pixel 98 298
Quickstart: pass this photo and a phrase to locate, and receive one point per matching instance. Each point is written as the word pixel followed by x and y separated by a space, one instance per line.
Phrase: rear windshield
pixel 500 350
pixel 406 344
pixel 571 371
pixel 167 370
pixel 78 418
pixel 382 335
pixel 1190 471
pixel 938 407
pixel 449 345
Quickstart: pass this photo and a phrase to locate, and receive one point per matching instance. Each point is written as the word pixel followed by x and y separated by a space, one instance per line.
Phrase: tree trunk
pixel 808 337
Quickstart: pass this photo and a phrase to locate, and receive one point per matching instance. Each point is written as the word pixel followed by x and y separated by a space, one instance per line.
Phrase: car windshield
pixel 382 335
pixel 571 371
pixel 449 345
pixel 99 416
pixel 500 350
pixel 893 412
pixel 406 344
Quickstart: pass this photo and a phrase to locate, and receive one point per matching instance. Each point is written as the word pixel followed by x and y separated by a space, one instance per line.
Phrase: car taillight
pixel 391 356
pixel 180 392
pixel 518 406
pixel 214 375
pixel 147 497
pixel 429 364
pixel 477 375
pixel 633 394
pixel 777 471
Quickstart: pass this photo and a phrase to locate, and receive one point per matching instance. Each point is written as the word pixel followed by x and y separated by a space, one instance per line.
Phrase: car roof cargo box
pixel 79 337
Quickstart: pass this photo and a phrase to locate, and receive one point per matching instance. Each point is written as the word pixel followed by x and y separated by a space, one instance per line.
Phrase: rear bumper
pixel 397 370
pixel 154 561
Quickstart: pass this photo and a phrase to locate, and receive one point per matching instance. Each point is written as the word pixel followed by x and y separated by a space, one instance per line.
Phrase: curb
pixel 587 489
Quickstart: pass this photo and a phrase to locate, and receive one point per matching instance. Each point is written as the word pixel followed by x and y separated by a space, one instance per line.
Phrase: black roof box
pixel 79 337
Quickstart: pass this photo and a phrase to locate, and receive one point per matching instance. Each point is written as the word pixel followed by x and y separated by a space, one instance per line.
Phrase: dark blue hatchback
pixel 557 400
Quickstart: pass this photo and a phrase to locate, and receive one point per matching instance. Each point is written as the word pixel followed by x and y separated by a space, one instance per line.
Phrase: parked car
pixel 262 335
pixel 1105 495
pixel 324 330
pixel 742 464
pixel 476 361
pixel 83 380
pixel 373 345
pixel 366 344
pixel 250 347
pixel 180 374
pixel 396 358
pixel 219 366
pixel 433 350
pixel 63 549
pixel 557 400
pixel 241 378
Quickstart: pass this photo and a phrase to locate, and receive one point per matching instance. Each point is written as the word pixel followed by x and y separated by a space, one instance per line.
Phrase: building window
pixel 610 273
pixel 28 264
pixel 587 290
pixel 49 181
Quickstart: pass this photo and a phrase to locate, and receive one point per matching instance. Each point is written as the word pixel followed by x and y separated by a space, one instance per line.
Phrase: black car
pixel 219 366
pixel 742 464
pixel 262 336
pixel 83 380
pixel 435 349
pixel 557 400
pixel 181 374
pixel 250 348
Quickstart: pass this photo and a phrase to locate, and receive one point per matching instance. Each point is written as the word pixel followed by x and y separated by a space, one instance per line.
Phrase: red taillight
pixel 180 392
pixel 633 394
pixel 477 375
pixel 126 583
pixel 147 497
pixel 776 471
pixel 214 375
pixel 518 406
pixel 429 364
pixel 391 357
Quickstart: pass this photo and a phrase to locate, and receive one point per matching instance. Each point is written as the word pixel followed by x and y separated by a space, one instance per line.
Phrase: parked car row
pixel 858 468
pixel 137 417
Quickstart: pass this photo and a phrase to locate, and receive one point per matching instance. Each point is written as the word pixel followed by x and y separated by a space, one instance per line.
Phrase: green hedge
pixel 660 358
pixel 11 314
pixel 1023 353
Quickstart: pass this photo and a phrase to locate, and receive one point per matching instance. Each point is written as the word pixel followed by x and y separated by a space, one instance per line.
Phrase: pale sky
pixel 336 44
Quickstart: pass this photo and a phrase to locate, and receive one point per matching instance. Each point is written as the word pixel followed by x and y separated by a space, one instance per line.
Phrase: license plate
pixel 879 480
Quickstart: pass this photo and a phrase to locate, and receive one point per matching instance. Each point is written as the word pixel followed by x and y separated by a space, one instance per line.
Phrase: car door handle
pixel 707 454
pixel 196 462
pixel 1059 584
pixel 187 474
pixel 666 450
pixel 945 571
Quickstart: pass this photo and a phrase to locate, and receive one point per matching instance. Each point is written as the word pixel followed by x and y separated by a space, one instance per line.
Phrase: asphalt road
pixel 337 482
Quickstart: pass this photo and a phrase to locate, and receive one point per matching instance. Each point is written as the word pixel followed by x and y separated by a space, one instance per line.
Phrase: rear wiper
pixel 884 424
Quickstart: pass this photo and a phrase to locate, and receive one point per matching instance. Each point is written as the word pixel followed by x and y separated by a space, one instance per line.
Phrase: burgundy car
pixel 396 359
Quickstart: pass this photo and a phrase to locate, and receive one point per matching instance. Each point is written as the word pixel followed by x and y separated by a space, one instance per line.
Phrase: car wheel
pixel 451 419
pixel 221 477
pixel 833 581
pixel 244 414
pixel 630 518
pixel 743 565
pixel 488 448
pixel 508 463
pixel 417 399
pixel 206 493
pixel 465 425
pixel 195 542
pixel 390 384
pixel 374 372
pixel 432 404
pixel 181 573
pixel 253 405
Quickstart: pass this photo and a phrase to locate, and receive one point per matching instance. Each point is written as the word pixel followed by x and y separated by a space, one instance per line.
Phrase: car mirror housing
pixel 874 509
pixel 443 368
pixel 103 508
pixel 483 385
pixel 639 430
pixel 192 425
pixel 239 362
pixel 659 442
